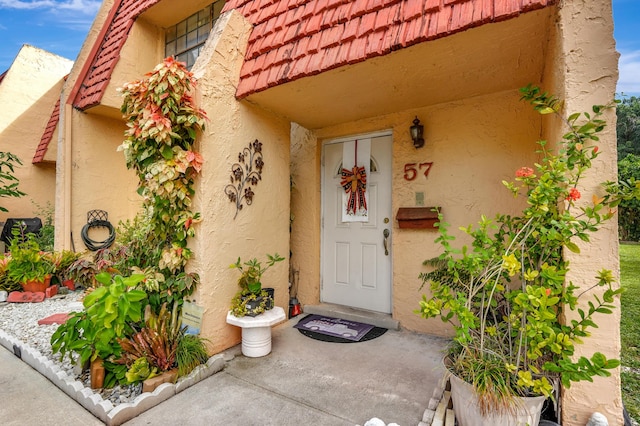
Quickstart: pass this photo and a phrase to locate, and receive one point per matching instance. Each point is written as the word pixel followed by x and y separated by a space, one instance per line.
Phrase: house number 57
pixel 411 170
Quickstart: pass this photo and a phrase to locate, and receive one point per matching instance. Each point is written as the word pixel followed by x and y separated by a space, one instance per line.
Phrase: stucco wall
pixel 587 61
pixel 474 144
pixel 139 55
pixel 305 211
pixel 66 140
pixel 259 228
pixel 100 179
pixel 28 95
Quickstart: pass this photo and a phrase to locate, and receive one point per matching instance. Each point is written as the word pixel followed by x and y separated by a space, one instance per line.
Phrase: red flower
pixel 547 291
pixel 524 172
pixel 595 150
pixel 574 194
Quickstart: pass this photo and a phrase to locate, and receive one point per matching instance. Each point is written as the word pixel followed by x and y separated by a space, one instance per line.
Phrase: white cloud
pixel 629 67
pixel 89 7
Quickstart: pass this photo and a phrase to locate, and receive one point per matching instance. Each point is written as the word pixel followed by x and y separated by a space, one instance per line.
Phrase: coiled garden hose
pixel 97 245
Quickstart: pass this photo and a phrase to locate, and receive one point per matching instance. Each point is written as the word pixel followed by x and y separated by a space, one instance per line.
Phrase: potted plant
pixel 515 316
pixel 252 299
pixel 62 261
pixel 28 265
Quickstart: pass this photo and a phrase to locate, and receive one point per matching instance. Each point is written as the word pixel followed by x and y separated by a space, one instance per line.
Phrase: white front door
pixel 356 258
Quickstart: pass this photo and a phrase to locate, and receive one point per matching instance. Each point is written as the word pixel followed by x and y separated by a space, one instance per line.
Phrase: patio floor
pixel 301 382
pixel 306 381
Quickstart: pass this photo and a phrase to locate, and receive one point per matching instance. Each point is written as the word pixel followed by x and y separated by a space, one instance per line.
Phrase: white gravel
pixel 20 320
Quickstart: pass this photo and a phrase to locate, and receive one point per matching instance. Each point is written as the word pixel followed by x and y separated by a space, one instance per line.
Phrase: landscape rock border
pixel 104 409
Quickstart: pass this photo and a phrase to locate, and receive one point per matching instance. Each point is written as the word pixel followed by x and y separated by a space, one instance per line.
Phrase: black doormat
pixel 335 330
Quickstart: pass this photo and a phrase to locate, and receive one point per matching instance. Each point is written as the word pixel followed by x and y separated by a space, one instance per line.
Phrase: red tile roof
pixel 41 150
pixel 102 59
pixel 292 39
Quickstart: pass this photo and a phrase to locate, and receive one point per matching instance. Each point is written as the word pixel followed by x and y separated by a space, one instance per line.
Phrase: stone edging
pixel 439 412
pixel 104 409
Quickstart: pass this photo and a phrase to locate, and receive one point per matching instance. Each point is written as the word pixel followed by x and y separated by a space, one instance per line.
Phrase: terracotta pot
pixel 526 411
pixel 37 286
pixel 97 373
pixel 70 284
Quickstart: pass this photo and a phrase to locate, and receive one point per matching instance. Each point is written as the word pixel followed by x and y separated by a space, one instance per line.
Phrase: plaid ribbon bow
pixel 354 182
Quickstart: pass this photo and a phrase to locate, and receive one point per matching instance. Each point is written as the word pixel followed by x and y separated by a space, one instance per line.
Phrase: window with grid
pixel 185 39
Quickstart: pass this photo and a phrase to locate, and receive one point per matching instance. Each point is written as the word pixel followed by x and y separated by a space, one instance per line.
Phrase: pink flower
pixel 524 172
pixel 574 194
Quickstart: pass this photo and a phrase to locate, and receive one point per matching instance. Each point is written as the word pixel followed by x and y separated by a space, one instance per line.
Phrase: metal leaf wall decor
pixel 245 174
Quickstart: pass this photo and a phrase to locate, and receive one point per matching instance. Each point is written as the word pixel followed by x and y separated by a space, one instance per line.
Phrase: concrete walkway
pixel 302 382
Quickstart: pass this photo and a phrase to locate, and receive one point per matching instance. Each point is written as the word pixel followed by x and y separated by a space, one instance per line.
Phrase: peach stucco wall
pixel 28 95
pixel 100 181
pixel 586 63
pixel 259 228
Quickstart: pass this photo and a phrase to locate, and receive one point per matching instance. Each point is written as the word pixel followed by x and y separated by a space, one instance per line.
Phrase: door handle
pixel 385 242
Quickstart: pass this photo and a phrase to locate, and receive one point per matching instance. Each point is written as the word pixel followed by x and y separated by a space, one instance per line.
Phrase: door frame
pixel 323 170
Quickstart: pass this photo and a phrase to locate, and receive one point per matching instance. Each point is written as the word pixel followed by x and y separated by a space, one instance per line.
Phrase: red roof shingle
pixel 41 150
pixel 299 38
pixel 95 76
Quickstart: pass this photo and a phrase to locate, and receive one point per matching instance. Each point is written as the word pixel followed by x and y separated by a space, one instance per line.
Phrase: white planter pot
pixel 465 403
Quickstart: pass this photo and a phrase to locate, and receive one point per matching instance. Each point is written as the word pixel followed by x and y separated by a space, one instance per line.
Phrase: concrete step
pixel 345 312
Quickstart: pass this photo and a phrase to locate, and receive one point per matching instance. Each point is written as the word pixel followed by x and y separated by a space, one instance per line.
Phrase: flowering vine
pixel 162 122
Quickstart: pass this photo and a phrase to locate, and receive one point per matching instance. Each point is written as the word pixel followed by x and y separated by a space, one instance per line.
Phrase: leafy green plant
pixel 5 283
pixel 109 312
pixel 45 237
pixel 506 295
pixel 251 298
pixel 27 262
pixel 62 261
pixel 246 302
pixel 88 265
pixel 157 340
pixel 8 181
pixel 251 272
pixel 192 352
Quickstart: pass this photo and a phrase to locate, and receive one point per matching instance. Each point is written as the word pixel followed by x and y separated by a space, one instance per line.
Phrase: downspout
pixel 66 236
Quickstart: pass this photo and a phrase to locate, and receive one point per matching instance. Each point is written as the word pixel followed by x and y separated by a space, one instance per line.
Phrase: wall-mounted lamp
pixel 417 131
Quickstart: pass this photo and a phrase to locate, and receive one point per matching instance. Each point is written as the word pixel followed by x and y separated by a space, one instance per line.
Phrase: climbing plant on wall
pixel 162 122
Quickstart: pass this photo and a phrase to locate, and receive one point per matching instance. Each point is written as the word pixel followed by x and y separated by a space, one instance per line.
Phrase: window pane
pixel 182 57
pixel 170 33
pixel 204 16
pixel 192 38
pixel 193 55
pixel 192 22
pixel 182 28
pixel 182 44
pixel 203 33
pixel 170 49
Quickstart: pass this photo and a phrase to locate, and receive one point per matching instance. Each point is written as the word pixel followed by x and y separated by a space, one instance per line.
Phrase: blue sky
pixel 60 27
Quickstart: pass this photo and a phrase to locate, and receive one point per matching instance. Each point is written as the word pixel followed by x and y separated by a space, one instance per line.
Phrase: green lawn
pixel 630 327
